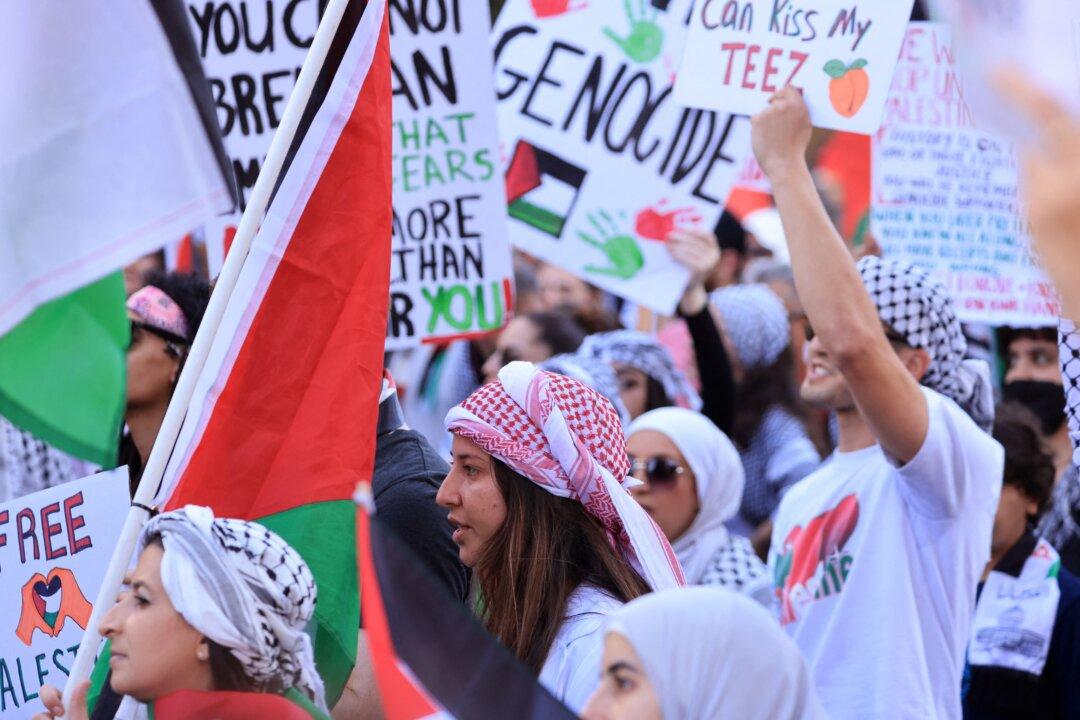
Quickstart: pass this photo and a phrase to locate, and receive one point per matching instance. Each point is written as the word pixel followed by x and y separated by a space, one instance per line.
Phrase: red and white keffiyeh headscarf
pixel 567 439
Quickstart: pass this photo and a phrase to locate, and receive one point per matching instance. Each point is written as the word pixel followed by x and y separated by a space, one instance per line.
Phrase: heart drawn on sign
pixel 48 601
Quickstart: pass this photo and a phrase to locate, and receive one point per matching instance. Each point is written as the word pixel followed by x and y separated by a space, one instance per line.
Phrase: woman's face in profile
pixel 154 651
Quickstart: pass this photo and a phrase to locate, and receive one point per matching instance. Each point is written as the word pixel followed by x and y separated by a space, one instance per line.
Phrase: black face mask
pixel 1045 399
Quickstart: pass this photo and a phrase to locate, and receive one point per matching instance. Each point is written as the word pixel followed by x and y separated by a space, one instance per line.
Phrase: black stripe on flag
pixel 346 29
pixel 173 18
pixel 458 663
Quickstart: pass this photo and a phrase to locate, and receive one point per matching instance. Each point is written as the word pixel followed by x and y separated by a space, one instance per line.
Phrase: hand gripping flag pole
pixel 178 406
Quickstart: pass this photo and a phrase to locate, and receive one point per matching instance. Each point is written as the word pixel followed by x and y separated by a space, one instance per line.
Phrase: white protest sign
pixel 251 53
pixel 840 53
pixel 1040 39
pixel 54 548
pixel 945 194
pixel 601 161
pixel 451 272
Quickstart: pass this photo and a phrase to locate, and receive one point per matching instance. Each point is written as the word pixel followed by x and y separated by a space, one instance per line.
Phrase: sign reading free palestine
pixel 55 546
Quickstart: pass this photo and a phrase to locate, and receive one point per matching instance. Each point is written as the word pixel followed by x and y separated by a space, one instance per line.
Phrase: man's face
pixel 823 385
pixel 1031 358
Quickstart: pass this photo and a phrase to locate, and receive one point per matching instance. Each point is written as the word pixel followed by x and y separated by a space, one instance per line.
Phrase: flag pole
pixel 200 348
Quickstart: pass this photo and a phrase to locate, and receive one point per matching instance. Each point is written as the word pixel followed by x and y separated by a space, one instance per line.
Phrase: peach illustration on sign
pixel 849 85
pixel 655 223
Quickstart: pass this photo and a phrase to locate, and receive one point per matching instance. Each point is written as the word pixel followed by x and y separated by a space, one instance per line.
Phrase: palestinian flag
pixel 281 426
pixel 431 658
pixel 101 165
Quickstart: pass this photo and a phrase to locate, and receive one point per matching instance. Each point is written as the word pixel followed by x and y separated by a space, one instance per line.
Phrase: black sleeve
pixel 407 476
pixel 714 369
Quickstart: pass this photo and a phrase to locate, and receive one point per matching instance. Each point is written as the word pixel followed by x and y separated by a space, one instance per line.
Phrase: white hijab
pixel 712 653
pixel 718 473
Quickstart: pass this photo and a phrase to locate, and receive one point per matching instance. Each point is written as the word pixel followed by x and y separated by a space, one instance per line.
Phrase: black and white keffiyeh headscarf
pixel 593 373
pixel 919 308
pixel 643 352
pixel 756 321
pixel 245 588
pixel 1061 523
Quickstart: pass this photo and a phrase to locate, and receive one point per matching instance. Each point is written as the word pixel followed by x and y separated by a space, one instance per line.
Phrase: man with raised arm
pixel 876 555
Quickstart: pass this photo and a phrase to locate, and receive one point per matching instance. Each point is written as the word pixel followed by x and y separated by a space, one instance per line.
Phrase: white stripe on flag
pixel 273 238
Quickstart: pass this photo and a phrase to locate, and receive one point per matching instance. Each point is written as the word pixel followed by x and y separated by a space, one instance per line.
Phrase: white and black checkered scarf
pixel 245 588
pixel 919 308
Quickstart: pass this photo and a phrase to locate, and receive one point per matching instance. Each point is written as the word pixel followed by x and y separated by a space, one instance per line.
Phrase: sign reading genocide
pixel 840 53
pixel 451 272
pixel 54 548
pixel 601 161
pixel 945 193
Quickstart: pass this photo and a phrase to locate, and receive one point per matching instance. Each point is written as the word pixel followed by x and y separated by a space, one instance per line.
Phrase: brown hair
pixel 545 549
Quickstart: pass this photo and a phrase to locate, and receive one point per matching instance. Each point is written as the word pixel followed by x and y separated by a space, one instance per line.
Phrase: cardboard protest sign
pixel 945 193
pixel 451 271
pixel 602 162
pixel 251 53
pixel 840 53
pixel 54 548
pixel 1038 38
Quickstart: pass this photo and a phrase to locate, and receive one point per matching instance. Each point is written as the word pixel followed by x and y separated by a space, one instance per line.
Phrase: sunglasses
pixel 891 335
pixel 171 346
pixel 659 471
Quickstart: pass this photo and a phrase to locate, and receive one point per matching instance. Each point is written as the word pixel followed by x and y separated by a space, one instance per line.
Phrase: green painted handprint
pixel 646 39
pixel 621 248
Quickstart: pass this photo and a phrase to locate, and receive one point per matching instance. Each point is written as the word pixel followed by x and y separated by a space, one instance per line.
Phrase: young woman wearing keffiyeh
pixel 648 378
pixel 213 606
pixel 538 496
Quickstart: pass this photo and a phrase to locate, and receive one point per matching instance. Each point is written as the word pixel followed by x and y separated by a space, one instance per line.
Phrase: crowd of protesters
pixel 879 528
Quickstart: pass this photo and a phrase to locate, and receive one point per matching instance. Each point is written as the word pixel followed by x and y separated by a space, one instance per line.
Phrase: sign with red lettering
pixel 54 548
pixel 601 162
pixel 840 53
pixel 944 193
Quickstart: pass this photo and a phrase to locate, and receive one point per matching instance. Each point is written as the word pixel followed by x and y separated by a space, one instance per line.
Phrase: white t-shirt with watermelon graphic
pixel 875 568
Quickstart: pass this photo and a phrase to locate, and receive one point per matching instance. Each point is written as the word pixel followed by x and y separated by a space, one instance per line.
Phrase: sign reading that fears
pixel 54 548
pixel 601 162
pixel 840 53
pixel 450 273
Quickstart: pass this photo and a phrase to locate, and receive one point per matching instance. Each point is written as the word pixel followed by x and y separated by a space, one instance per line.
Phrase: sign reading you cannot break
pixel 840 53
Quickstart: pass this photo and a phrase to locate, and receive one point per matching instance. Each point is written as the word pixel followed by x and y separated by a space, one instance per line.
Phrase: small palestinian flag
pixel 432 659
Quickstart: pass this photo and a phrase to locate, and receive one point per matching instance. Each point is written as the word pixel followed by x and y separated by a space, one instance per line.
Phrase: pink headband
pixel 157 310
pixel 567 439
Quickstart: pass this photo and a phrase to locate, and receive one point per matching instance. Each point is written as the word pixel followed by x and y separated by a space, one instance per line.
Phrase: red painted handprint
pixel 551 8
pixel 655 223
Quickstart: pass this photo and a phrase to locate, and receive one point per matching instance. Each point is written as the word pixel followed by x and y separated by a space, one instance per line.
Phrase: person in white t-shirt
pixel 876 556
pixel 539 500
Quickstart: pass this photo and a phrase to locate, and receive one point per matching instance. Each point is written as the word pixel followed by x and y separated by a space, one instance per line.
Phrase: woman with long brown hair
pixel 538 496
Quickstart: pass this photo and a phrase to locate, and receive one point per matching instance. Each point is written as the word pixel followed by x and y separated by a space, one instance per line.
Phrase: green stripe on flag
pixel 62 371
pixel 325 536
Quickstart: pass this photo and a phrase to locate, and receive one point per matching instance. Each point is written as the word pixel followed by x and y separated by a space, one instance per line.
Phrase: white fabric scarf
pixel 1015 617
pixel 712 653
pixel 718 474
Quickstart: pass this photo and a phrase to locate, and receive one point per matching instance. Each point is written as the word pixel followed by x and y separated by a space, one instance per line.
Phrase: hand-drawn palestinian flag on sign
pixel 281 426
pixel 432 659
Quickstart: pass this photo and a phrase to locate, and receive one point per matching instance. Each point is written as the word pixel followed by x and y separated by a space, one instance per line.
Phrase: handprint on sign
pixel 655 223
pixel 646 38
pixel 551 8
pixel 624 256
